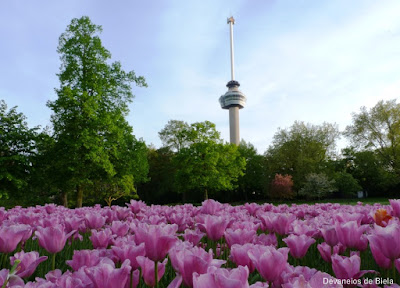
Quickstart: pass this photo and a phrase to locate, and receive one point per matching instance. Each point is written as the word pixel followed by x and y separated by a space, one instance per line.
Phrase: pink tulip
pixel 119 228
pixel 214 226
pixel 387 240
pixel 87 258
pixel 94 220
pixel 210 207
pixel 222 278
pixel 148 266
pixel 269 262
pixel 193 236
pixel 28 264
pixel 326 251
pixel 329 234
pixel 102 238
pixel 10 236
pixel 13 280
pixel 129 252
pixel 351 235
pixel 186 261
pixel 266 239
pixel 52 238
pixel 239 236
pixel 298 245
pixel 106 276
pixel 158 239
pixel 239 255
pixel 348 267
pixel 395 207
pixel 136 206
pixel 380 259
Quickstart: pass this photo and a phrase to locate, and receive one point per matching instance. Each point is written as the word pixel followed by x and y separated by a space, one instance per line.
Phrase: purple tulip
pixel 222 278
pixel 266 239
pixel 329 234
pixel 13 280
pixel 193 236
pixel 326 251
pixel 158 239
pixel 387 240
pixel 130 252
pixel 102 238
pixel 298 245
pixel 214 226
pixel 380 259
pixel 28 264
pixel 148 266
pixel 187 260
pixel 395 207
pixel 351 235
pixel 106 276
pixel 10 236
pixel 94 220
pixel 52 238
pixel 238 236
pixel 348 267
pixel 119 228
pixel 269 262
pixel 239 255
pixel 87 258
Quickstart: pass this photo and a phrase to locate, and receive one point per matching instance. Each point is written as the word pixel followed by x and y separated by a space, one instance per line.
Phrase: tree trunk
pixel 205 194
pixel 64 199
pixel 79 196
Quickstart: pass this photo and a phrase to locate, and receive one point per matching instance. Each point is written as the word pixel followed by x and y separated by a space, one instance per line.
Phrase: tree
pixel 300 150
pixel 89 125
pixel 175 135
pixel 368 168
pixel 378 130
pixel 202 161
pixel 282 187
pixel 17 148
pixel 346 184
pixel 317 186
pixel 251 183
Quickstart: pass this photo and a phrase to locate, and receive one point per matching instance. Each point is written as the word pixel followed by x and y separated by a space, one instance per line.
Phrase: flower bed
pixel 214 245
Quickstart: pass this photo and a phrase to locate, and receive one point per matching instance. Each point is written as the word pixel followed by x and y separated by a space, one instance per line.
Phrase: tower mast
pixel 233 99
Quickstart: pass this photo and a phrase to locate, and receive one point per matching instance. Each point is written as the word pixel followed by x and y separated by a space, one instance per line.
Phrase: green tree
pixel 378 130
pixel 369 169
pixel 346 184
pixel 89 114
pixel 175 135
pixel 203 161
pixel 317 186
pixel 300 150
pixel 17 148
pixel 250 184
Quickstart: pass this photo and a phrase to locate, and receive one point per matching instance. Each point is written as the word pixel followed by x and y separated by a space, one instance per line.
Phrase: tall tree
pixel 300 150
pixel 89 114
pixel 378 129
pixel 17 147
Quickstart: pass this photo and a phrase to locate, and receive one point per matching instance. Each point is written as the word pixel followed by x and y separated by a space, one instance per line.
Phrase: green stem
pixel 156 273
pixel 394 272
pixel 53 262
pixel 131 280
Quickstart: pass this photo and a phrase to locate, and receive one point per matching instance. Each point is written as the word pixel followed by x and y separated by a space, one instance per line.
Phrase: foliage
pixel 317 186
pixel 17 148
pixel 251 183
pixel 368 169
pixel 300 150
pixel 378 129
pixel 161 187
pixel 204 162
pixel 91 134
pixel 282 187
pixel 346 184
pixel 175 135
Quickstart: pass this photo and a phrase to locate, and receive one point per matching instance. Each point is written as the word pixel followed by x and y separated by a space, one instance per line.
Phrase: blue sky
pixel 310 61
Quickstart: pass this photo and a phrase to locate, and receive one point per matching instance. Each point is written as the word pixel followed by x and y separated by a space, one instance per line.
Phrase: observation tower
pixel 233 99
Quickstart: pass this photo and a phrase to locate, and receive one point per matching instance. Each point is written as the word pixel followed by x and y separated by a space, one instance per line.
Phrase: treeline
pixel 89 154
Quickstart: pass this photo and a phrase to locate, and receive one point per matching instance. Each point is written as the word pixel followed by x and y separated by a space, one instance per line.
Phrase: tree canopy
pixel 91 134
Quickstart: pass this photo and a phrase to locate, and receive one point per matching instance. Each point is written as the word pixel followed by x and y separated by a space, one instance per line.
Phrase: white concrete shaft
pixel 234 125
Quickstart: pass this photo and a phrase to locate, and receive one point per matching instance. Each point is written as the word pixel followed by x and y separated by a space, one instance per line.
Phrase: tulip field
pixel 212 245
